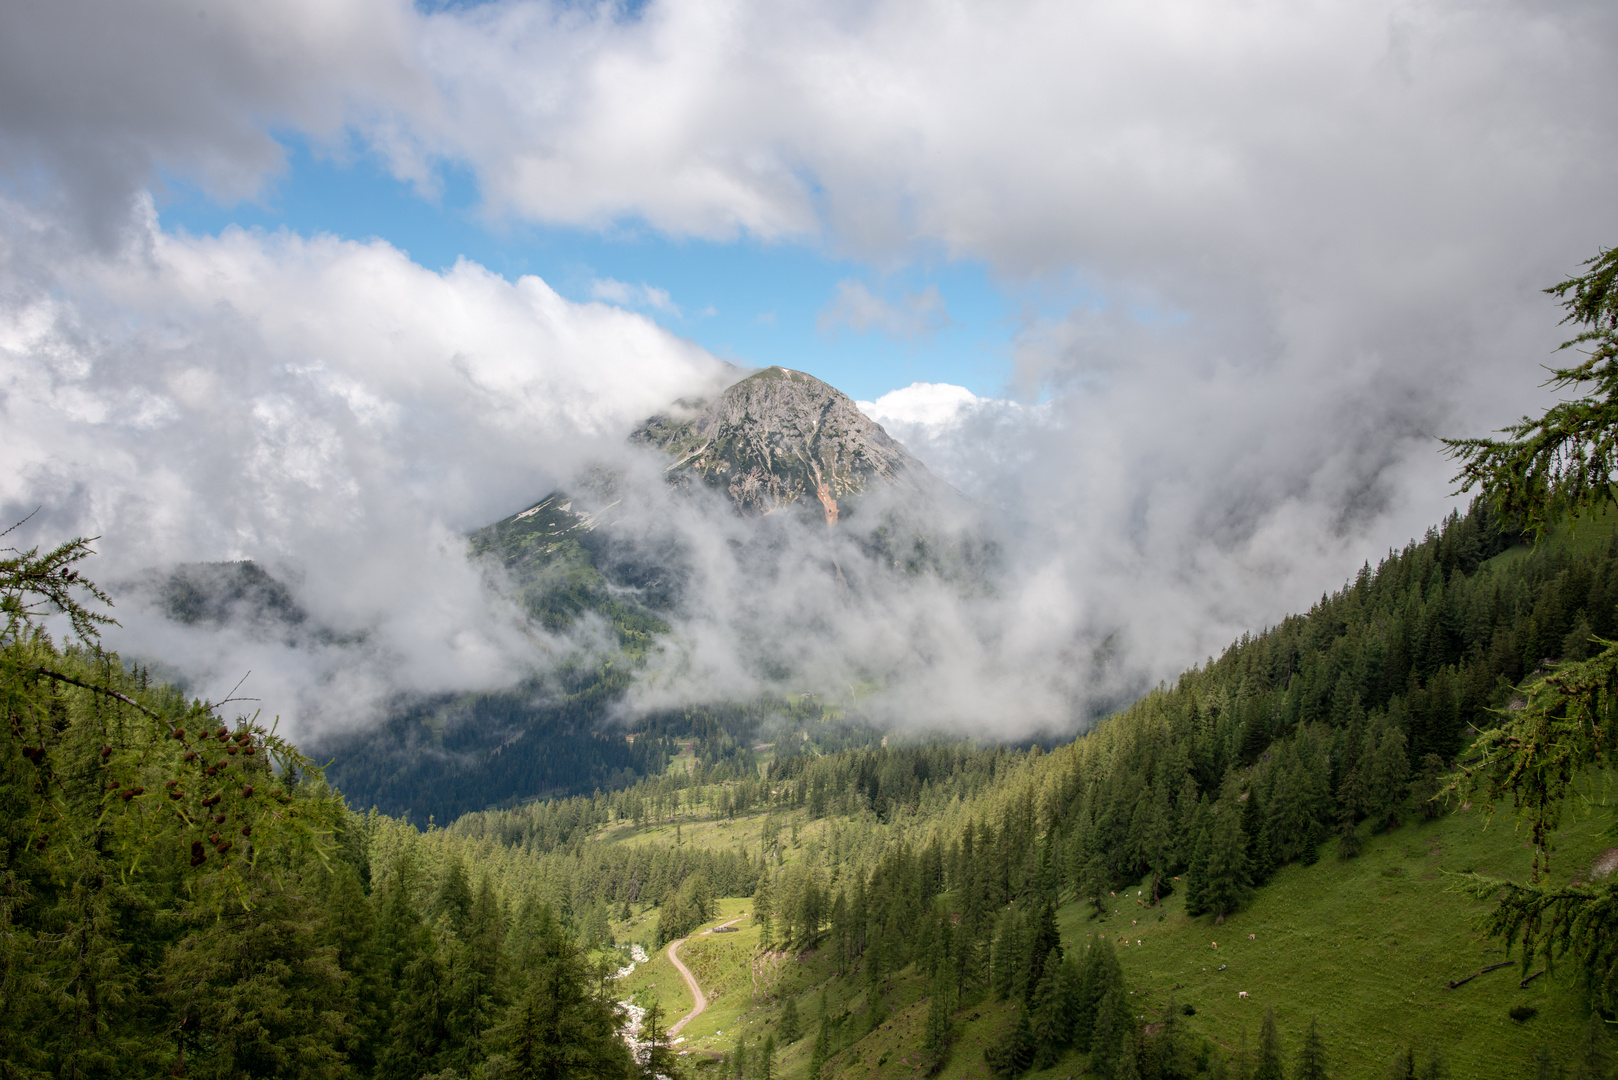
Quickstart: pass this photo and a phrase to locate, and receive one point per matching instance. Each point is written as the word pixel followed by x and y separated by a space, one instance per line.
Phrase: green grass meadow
pixel 1366 945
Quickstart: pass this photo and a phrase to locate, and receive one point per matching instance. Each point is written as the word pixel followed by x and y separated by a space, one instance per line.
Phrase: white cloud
pixel 916 315
pixel 636 296
pixel 315 404
pixel 1308 239
pixel 933 405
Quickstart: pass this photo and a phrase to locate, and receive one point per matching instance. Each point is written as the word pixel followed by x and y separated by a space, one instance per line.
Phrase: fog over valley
pixel 1237 320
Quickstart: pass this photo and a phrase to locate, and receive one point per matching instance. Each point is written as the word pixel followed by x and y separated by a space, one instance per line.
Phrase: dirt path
pixel 700 1001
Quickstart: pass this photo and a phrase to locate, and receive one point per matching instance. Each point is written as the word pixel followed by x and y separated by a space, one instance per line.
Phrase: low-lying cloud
pixel 1288 247
pixel 326 408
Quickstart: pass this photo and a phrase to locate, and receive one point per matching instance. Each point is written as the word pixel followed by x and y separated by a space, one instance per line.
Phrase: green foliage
pixel 1311 1055
pixel 1269 1065
pixel 790 1026
pixel 1563 461
pixel 690 907
pixel 659 1058
pixel 184 895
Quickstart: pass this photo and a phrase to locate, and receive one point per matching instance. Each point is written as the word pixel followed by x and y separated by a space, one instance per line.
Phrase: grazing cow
pixel 1241 993
pixel 1216 944
pixel 1252 937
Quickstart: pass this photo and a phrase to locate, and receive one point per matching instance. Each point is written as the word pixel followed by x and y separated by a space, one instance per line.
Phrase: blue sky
pixel 748 302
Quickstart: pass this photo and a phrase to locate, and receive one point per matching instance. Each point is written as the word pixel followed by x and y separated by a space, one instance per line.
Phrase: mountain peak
pixel 780 437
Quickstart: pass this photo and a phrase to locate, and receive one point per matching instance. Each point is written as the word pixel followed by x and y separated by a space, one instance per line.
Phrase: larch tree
pixel 1544 470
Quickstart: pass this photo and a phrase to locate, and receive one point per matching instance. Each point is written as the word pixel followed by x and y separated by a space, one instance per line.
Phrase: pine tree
pixel 660 1059
pixel 1126 1064
pixel 1093 885
pixel 1225 880
pixel 1387 787
pixel 1594 1059
pixel 1006 957
pixel 789 1026
pixel 1169 1052
pixel 1044 947
pixel 1435 1067
pixel 562 1023
pixel 765 1069
pixel 1101 979
pixel 1015 1052
pixel 1312 1056
pixel 1196 876
pixel 821 1049
pixel 1159 836
pixel 1350 799
pixel 454 901
pixel 1260 859
pixel 939 1032
pixel 1269 1050
pixel 1046 1026
pixel 1111 1039
pixel 763 904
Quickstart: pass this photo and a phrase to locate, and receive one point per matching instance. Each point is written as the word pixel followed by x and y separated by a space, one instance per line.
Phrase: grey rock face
pixel 779 438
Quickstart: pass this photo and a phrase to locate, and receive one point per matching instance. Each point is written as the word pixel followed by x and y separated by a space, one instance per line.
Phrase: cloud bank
pixel 1268 253
pixel 326 408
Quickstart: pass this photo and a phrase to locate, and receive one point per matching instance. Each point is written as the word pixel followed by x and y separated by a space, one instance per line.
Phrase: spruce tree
pixel 765 1069
pixel 1593 1060
pixel 1196 875
pixel 1350 798
pixel 1125 1064
pixel 763 909
pixel 1312 1056
pixel 1045 1024
pixel 1225 880
pixel 1015 1052
pixel 939 1032
pixel 1260 860
pixel 660 1059
pixel 1044 947
pixel 1093 885
pixel 1169 1053
pixel 1435 1067
pixel 1269 1050
pixel 454 901
pixel 1107 1044
pixel 789 1026
pixel 1387 787
pixel 1006 956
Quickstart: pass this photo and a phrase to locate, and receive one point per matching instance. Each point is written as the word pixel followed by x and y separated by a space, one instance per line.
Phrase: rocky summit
pixel 780 438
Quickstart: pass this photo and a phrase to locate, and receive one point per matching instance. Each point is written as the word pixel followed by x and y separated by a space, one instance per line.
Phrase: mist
pixel 1264 257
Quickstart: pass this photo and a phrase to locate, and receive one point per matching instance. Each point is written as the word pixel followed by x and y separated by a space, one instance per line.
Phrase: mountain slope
pixel 1236 797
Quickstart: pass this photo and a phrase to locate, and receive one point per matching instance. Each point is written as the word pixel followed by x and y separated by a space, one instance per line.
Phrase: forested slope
pixel 915 908
pixel 1317 735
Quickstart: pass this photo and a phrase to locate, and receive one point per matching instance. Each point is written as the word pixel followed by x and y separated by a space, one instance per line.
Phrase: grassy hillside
pixel 1366 945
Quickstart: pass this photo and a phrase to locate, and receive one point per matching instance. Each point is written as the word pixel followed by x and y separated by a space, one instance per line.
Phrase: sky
pixel 754 302
pixel 1181 294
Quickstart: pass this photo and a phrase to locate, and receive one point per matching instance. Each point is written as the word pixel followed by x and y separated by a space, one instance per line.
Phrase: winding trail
pixel 699 1000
